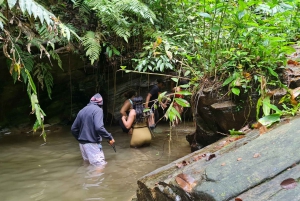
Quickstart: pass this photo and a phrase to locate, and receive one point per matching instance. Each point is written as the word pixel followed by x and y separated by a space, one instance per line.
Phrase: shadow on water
pixel 32 170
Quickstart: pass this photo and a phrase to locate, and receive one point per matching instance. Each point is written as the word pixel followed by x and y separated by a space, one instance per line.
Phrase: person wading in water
pixel 138 121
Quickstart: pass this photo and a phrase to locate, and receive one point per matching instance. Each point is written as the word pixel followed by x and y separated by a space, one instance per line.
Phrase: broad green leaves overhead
pixel 238 43
pixel 23 24
pixel 33 9
pixel 114 16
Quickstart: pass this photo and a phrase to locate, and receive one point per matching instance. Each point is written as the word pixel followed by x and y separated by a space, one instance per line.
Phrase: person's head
pixel 138 107
pixel 161 83
pixel 130 94
pixel 97 100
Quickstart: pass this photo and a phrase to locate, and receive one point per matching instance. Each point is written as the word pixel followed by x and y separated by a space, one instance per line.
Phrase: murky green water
pixel 31 170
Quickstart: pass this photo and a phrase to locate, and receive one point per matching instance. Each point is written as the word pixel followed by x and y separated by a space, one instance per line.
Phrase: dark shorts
pixel 125 130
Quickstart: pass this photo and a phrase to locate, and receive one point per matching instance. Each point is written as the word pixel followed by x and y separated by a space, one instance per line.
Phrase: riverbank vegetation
pixel 239 45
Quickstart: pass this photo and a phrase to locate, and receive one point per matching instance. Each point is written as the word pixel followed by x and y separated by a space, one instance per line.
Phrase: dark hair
pixel 183 81
pixel 130 93
pixel 160 81
pixel 139 108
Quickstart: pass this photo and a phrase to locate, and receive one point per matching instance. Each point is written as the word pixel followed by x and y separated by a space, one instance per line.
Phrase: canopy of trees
pixel 240 44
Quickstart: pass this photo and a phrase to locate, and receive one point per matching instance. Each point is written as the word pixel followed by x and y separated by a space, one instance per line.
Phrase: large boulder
pixel 235 168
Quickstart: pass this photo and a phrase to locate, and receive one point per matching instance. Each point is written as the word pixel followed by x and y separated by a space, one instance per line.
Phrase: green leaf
pixel 174 79
pixel 185 86
pixel 38 113
pixel 242 5
pixel 92 46
pixel 228 80
pixel 288 49
pixel 182 102
pixel 28 6
pixel 35 126
pixel 173 113
pixel 68 34
pixel 158 64
pixel 272 72
pixel 269 120
pixel 40 14
pixel 187 73
pixel 205 15
pixel 161 67
pixel 35 9
pixel 215 28
pixel 11 3
pixel 236 91
pixel 31 83
pixel 33 100
pixel 161 95
pixel 266 106
pixel 234 132
pixel 116 52
pixel 258 105
pixel 47 17
pixel 241 14
pixel 22 5
pixel 146 110
pixel 185 93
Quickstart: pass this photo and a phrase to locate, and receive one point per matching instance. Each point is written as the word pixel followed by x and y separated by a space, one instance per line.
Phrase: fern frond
pixel 56 57
pixel 82 6
pixel 136 7
pixel 49 83
pixel 27 61
pixel 121 31
pixel 42 73
pixel 37 11
pixel 113 14
pixel 91 42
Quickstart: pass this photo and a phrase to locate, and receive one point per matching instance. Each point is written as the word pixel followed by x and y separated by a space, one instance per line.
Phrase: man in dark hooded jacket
pixel 88 129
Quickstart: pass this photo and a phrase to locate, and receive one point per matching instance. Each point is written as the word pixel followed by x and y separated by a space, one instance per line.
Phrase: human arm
pixel 99 126
pixel 130 119
pixel 126 106
pixel 147 100
pixel 75 128
pixel 164 103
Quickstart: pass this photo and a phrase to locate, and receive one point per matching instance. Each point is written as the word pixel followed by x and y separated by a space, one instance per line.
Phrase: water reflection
pixel 31 170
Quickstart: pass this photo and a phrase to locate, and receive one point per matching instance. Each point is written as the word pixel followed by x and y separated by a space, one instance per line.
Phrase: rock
pixel 250 168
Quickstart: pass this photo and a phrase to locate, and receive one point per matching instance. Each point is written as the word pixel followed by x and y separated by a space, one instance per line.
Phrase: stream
pixel 31 170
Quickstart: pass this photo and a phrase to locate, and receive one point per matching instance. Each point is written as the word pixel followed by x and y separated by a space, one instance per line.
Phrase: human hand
pixel 163 105
pixel 111 142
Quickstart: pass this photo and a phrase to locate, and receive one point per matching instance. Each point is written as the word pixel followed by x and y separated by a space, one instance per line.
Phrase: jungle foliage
pixel 241 44
pixel 29 32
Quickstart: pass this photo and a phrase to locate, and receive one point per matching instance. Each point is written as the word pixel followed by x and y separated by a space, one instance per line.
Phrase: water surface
pixel 31 170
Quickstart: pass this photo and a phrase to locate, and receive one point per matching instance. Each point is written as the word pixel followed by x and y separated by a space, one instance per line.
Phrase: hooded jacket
pixel 88 126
